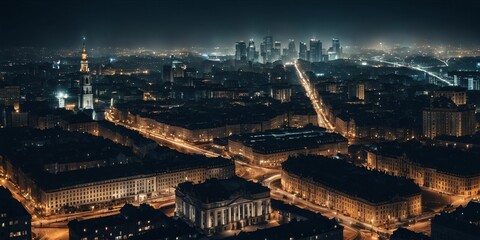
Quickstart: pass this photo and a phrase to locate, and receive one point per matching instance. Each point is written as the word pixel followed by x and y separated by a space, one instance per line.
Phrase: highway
pixel 322 119
pixel 379 59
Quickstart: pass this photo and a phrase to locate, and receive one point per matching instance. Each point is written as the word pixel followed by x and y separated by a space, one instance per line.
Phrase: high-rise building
pixel 457 94
pixel 268 48
pixel 240 50
pixel 444 117
pixel 315 50
pixel 251 51
pixel 276 51
pixel 336 46
pixel 302 51
pixel 292 51
pixel 85 99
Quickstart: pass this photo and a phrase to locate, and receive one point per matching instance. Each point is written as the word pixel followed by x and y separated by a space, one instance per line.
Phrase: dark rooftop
pixel 292 230
pixel 10 205
pixel 405 234
pixel 372 186
pixel 444 159
pixel 215 190
pixel 288 139
pixel 464 219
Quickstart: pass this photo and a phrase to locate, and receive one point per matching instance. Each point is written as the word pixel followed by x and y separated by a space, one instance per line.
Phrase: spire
pixel 84 61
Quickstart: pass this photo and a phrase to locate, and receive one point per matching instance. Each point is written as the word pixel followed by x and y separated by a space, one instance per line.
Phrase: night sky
pixel 182 23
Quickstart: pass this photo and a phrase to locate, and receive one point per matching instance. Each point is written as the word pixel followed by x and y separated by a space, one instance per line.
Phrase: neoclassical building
pixel 218 205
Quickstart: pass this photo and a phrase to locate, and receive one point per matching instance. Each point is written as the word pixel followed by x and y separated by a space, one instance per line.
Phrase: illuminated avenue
pixel 239 121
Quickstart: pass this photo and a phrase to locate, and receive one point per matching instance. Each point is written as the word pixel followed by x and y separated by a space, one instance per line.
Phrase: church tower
pixel 85 99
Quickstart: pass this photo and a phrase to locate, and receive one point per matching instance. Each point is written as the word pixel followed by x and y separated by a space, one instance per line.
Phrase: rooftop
pixel 10 205
pixel 464 219
pixel 288 139
pixel 292 230
pixel 216 190
pixel 444 159
pixel 372 186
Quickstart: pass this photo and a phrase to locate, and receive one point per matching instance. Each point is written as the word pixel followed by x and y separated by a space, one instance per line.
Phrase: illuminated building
pixel 251 52
pixel 271 148
pixel 461 224
pixel 281 93
pixel 15 221
pixel 368 196
pixel 457 94
pixel 360 91
pixel 203 124
pixel 302 51
pixel 438 168
pixel 266 49
pixel 276 51
pixel 292 51
pixel 142 222
pixel 443 117
pixel 99 176
pixel 85 99
pixel 241 51
pixel 10 96
pixel 315 50
pixel 218 205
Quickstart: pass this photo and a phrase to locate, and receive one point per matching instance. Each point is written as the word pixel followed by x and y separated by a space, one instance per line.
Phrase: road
pixel 379 59
pixel 310 91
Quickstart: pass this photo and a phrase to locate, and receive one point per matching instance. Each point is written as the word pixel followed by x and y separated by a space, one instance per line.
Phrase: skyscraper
pixel 268 47
pixel 277 51
pixel 85 98
pixel 336 45
pixel 315 50
pixel 335 52
pixel 251 51
pixel 240 50
pixel 302 54
pixel 292 51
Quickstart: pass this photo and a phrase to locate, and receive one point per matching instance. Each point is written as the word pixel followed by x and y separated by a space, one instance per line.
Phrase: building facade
pixel 434 173
pixel 324 184
pixel 218 205
pixel 271 148
pixel 15 221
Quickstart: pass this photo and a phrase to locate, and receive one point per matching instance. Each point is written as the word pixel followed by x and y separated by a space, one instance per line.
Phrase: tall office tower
pixel 315 50
pixel 240 50
pixel 263 52
pixel 335 51
pixel 268 41
pixel 302 53
pixel 336 46
pixel 292 51
pixel 277 51
pixel 251 51
pixel 85 98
